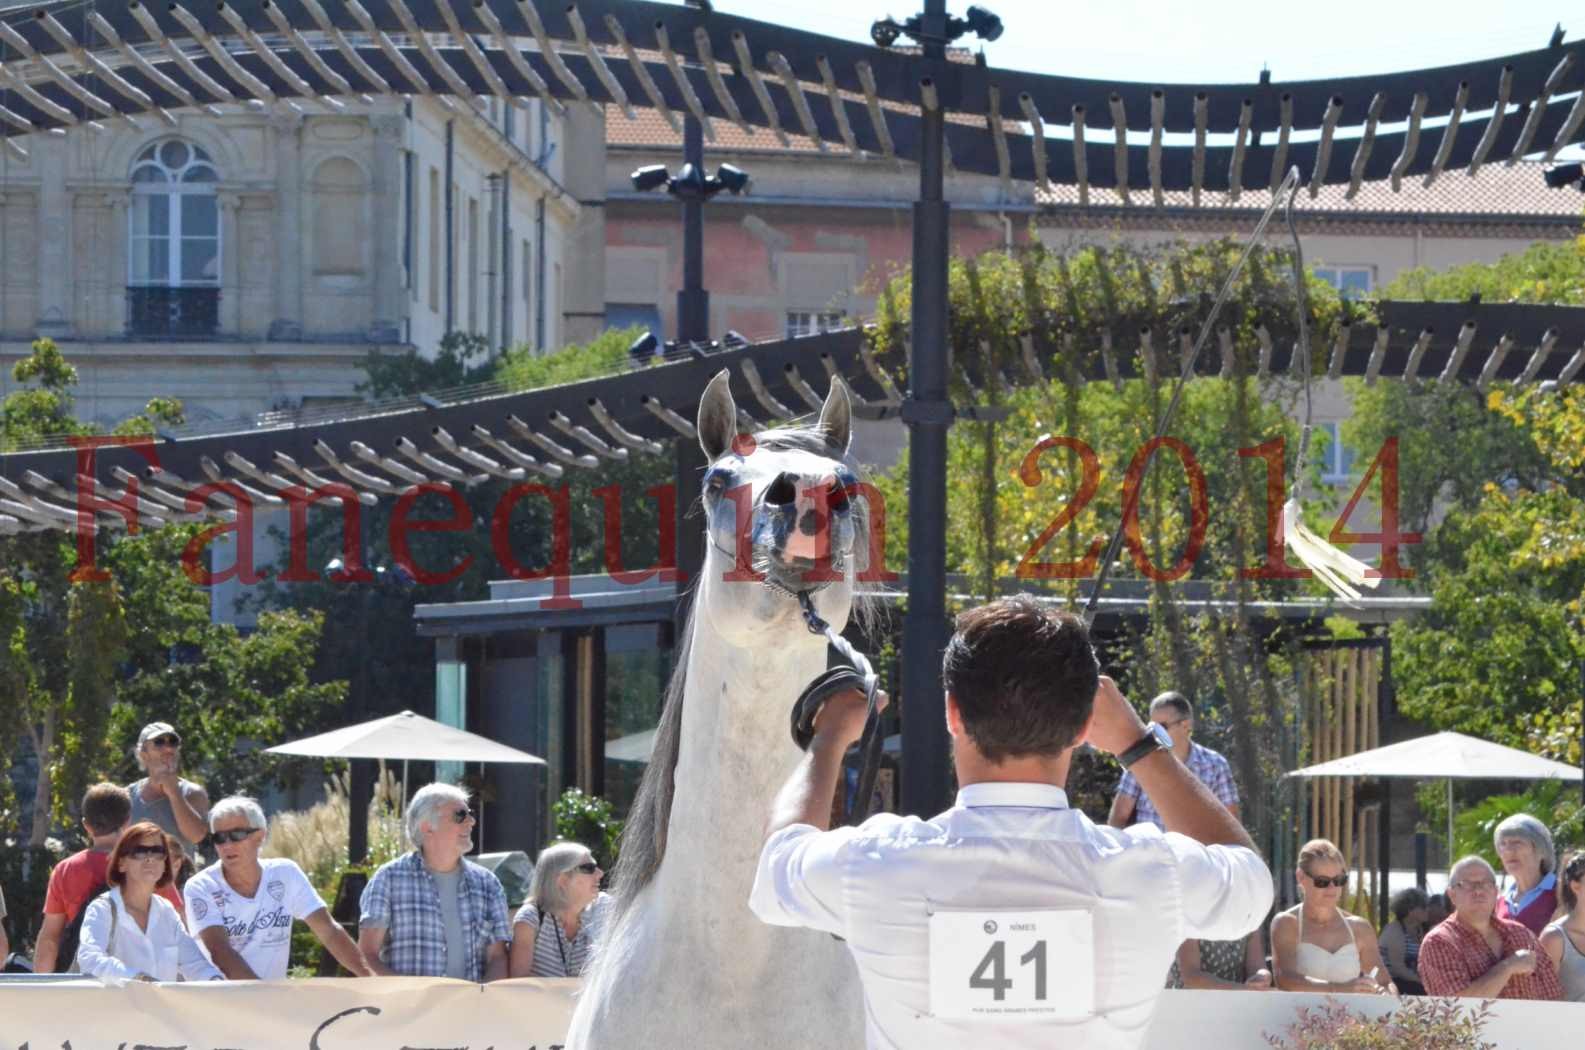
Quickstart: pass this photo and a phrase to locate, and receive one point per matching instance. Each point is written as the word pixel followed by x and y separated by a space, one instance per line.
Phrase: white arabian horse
pixel 685 964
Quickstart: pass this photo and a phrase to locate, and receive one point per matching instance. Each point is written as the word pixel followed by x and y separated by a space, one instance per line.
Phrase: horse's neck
pixel 735 752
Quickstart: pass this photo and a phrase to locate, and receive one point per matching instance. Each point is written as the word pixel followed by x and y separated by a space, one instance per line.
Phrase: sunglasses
pixel 588 867
pixel 234 835
pixel 167 741
pixel 462 816
pixel 1486 886
pixel 145 852
pixel 1323 882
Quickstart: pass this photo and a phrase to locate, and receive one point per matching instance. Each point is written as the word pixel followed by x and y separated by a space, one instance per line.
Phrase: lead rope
pixel 870 742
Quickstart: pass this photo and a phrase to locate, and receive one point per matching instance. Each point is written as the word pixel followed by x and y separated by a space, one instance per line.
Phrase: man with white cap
pixel 178 806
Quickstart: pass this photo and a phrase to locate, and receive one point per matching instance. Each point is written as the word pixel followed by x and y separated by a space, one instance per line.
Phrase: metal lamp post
pixel 693 187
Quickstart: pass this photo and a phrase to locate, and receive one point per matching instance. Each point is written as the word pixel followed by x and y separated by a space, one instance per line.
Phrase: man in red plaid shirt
pixel 1474 953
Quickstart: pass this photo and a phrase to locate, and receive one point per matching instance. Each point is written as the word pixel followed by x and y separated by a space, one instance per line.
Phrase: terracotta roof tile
pixel 1494 190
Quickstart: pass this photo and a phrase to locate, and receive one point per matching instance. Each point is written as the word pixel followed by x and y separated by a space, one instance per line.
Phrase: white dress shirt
pixel 1007 847
pixel 162 951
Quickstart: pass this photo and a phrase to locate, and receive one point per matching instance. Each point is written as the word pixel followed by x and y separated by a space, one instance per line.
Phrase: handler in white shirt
pixel 1012 920
pixel 131 934
pixel 241 907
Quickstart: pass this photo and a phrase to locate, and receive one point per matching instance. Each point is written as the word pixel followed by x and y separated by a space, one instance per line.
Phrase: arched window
pixel 175 234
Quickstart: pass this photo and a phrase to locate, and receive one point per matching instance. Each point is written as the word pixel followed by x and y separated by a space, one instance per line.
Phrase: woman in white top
pixel 129 933
pixel 1318 947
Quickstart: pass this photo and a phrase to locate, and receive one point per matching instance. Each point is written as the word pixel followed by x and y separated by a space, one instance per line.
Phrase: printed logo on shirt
pixel 200 909
pixel 277 889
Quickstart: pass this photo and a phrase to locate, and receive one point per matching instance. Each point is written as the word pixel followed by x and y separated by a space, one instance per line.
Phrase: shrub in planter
pixel 1417 1024
pixel 588 819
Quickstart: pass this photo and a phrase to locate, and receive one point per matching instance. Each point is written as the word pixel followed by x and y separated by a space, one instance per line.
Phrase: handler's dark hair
pixel 1023 675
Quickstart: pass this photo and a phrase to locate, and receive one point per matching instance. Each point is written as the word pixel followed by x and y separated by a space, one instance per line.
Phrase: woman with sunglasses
pixel 1564 940
pixel 1318 947
pixel 556 928
pixel 131 933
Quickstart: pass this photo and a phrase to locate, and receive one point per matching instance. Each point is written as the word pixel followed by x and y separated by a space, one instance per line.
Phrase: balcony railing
pixel 155 312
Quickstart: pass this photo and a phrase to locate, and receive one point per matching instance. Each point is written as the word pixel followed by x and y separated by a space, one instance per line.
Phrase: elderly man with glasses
pixel 433 913
pixel 1475 953
pixel 241 907
pixel 180 807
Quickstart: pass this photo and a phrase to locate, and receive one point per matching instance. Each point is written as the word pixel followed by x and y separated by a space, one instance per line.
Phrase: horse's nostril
pixel 782 492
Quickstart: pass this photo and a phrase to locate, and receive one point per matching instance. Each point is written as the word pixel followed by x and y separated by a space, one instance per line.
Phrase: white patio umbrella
pixel 1449 756
pixel 409 737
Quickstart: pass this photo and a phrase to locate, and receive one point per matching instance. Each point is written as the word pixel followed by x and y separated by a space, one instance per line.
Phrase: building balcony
pixel 158 312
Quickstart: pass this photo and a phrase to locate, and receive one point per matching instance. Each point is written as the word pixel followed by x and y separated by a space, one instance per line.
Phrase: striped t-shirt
pixel 556 954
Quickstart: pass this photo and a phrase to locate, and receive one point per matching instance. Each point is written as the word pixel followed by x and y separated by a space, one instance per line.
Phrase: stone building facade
pixel 247 259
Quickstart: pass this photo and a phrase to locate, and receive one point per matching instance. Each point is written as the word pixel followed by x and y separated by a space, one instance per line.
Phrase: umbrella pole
pixel 404 786
pixel 1450 823
pixel 479 846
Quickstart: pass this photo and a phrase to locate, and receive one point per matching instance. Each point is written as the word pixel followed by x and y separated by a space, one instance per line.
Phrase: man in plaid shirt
pixel 432 912
pixel 1173 712
pixel 1474 953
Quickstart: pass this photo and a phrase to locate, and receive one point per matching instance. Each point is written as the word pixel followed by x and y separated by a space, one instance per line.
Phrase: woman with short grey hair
pixel 421 808
pixel 1525 848
pixel 556 929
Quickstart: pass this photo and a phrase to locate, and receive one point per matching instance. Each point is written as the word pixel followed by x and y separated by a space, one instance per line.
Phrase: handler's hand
pixel 840 720
pixel 1115 726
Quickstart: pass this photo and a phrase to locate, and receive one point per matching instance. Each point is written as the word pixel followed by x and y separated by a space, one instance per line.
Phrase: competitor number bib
pixel 1012 964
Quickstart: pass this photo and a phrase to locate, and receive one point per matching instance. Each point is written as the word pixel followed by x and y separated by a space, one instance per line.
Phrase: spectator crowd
pixel 130 907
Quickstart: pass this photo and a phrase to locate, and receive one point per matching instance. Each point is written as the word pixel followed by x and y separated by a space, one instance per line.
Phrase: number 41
pixel 996 962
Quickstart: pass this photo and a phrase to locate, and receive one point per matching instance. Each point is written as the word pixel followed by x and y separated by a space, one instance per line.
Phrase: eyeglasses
pixel 145 852
pixel 1174 723
pixel 588 867
pixel 167 740
pixel 234 835
pixel 462 816
pixel 1324 882
pixel 1484 886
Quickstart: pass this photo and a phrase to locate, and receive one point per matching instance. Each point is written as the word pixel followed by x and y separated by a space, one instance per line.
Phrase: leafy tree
pixel 87 662
pixel 1546 272
pixel 1002 503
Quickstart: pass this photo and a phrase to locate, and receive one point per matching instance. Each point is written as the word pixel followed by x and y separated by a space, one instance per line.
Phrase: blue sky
pixel 1216 41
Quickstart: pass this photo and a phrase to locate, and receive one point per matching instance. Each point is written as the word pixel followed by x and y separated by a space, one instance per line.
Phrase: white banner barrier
pixel 391 1013
pixel 409 1013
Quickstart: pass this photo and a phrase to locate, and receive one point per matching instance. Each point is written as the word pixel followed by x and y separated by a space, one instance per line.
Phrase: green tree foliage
pixel 1546 272
pixel 1498 654
pixel 1001 503
pixel 88 662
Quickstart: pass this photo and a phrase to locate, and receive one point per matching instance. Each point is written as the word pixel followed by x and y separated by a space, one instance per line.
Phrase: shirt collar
pixel 1518 903
pixel 1011 793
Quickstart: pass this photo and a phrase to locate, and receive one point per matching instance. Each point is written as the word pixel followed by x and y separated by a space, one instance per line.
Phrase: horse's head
pixel 781 518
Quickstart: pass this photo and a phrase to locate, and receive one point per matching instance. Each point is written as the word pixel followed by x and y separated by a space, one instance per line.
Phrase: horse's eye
pixel 715 484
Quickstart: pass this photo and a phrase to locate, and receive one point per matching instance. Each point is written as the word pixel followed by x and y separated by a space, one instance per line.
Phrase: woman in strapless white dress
pixel 1318 947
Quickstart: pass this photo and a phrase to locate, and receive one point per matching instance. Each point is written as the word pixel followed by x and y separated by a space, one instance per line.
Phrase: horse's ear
pixel 717 416
pixel 836 416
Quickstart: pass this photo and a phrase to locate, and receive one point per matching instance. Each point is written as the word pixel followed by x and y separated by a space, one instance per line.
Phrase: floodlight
pixel 643 348
pixel 885 32
pixel 733 179
pixel 689 181
pixel 650 177
pixel 1560 175
pixel 982 23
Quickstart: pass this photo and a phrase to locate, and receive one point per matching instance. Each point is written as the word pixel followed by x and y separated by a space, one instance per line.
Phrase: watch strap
pixel 1145 745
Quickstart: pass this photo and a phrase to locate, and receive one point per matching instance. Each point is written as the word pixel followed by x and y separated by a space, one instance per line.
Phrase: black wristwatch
pixel 1155 739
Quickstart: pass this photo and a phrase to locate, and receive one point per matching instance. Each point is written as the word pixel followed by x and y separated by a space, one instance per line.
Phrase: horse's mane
pixel 643 842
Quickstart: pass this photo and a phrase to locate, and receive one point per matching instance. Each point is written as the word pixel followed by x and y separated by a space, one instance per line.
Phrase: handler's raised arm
pixel 1186 805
